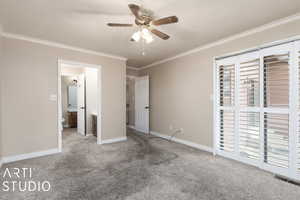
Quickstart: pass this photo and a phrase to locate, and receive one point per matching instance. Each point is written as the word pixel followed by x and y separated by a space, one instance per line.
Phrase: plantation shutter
pixel 257 110
pixel 276 89
pixel 276 80
pixel 227 84
pixel 249 137
pixel 249 103
pixel 249 83
pixel 276 139
pixel 226 142
pixel 227 89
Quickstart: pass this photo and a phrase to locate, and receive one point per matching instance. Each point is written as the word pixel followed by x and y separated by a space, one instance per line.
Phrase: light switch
pixel 53 97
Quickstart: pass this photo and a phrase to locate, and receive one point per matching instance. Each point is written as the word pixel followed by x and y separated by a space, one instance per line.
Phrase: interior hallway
pixel 146 167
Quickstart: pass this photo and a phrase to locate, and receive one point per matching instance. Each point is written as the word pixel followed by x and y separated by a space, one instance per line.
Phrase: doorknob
pixel 82 107
pixel 147 107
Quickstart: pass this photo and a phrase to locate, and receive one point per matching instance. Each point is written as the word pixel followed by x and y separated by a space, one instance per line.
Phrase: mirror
pixel 72 98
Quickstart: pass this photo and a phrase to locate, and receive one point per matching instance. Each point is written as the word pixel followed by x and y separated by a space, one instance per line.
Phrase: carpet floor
pixel 144 167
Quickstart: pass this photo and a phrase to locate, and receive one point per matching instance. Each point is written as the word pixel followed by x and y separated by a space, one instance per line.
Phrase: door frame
pixel 59 99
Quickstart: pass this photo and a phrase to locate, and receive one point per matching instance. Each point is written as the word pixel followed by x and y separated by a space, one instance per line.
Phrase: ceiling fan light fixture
pixel 144 20
pixel 146 35
pixel 142 34
pixel 136 36
pixel 149 40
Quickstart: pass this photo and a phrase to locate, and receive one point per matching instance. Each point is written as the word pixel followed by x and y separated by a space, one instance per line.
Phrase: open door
pixel 81 111
pixel 142 104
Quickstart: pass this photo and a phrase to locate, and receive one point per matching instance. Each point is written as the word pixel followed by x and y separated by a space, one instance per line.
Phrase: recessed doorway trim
pixel 59 99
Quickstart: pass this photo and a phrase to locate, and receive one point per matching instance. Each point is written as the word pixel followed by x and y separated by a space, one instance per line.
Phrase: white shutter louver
pixel 249 139
pixel 276 139
pixel 276 80
pixel 249 83
pixel 226 135
pixel 227 84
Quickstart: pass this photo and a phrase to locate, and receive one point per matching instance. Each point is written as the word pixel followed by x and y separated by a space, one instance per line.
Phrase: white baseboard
pixel 141 131
pixel 136 129
pixel 131 126
pixel 9 159
pixel 185 142
pixel 121 139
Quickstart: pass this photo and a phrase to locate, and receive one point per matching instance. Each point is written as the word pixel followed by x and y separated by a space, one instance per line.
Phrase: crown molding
pixel 228 39
pixel 133 68
pixel 59 45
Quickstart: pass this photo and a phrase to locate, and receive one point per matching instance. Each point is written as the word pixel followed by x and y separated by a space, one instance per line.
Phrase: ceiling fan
pixel 144 20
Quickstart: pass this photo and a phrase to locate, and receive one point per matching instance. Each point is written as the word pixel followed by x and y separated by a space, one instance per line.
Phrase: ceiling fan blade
pixel 135 10
pixel 160 34
pixel 166 20
pixel 119 25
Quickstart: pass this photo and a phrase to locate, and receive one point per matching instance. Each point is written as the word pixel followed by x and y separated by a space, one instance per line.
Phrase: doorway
pixel 142 104
pixel 138 103
pixel 79 101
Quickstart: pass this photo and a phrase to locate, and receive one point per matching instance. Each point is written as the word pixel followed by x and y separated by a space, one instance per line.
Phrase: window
pixel 256 112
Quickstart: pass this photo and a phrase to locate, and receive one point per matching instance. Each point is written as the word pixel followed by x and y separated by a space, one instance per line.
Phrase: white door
pixel 142 104
pixel 81 104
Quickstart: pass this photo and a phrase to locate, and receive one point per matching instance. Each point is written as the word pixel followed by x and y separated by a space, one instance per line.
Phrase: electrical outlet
pixel 171 127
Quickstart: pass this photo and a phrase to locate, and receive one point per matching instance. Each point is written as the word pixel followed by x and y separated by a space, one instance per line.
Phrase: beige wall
pixel 30 77
pixel 180 89
pixel 70 70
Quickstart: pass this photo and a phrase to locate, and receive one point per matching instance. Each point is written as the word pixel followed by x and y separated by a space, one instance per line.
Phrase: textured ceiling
pixel 82 23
